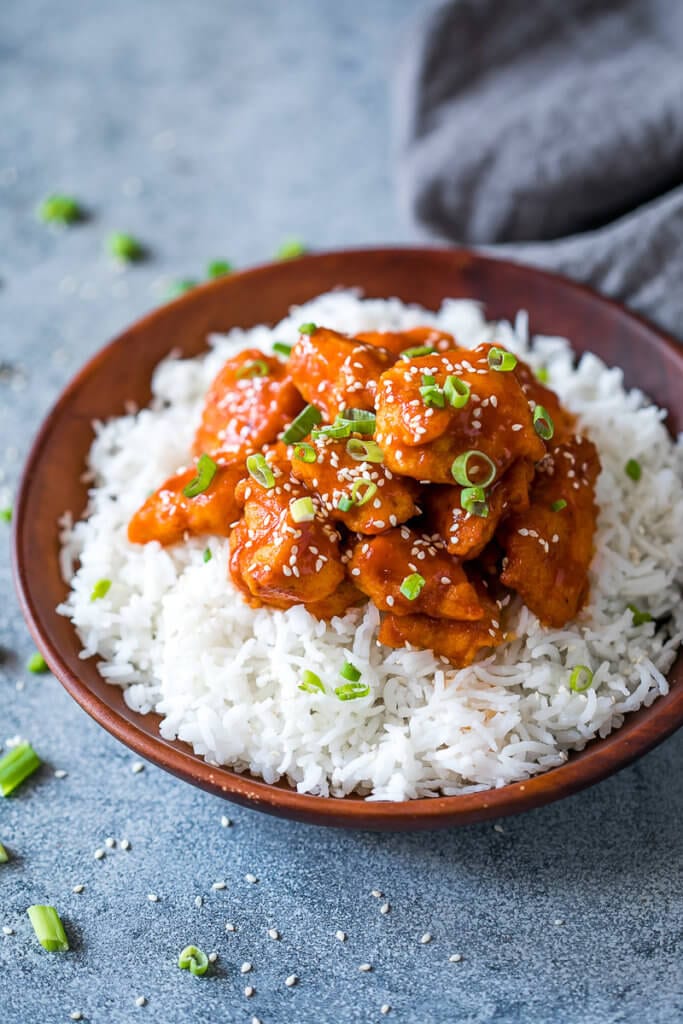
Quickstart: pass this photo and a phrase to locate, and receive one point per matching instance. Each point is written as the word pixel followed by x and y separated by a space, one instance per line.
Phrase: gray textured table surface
pixel 213 130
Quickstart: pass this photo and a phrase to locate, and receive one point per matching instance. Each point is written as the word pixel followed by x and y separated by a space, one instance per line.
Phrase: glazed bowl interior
pixel 122 372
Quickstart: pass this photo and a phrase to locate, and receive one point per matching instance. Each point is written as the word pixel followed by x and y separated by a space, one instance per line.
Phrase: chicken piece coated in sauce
pixel 334 372
pixel 467 535
pixel 335 474
pixel 459 642
pixel 549 549
pixel 250 401
pixel 168 515
pixel 380 565
pixel 422 441
pixel 417 337
pixel 274 559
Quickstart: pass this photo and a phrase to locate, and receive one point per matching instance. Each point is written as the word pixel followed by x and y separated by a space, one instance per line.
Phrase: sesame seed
pixel 140 1001
pixel 6 930
pixel 225 822
pixel 252 879
pixel 78 888
pixel 76 1015
pixel 124 844
pixel 385 908
pixel 340 935
pixel 377 894
pixel 230 927
pixel 246 967
pixel 137 767
pixel 424 939
pixel 218 885
pixel 384 1009
pixel 364 968
pixel 249 991
pixel 98 854
pixel 390 601
pixel 273 933
pixel 291 980
pixel 255 1020
pixel 455 958
pixel 198 901
pixel 152 897
pixel 558 921
pixel 110 842
pixel 498 828
pixel 60 773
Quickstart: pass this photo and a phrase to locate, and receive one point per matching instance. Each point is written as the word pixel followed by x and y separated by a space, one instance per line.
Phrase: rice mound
pixel 177 636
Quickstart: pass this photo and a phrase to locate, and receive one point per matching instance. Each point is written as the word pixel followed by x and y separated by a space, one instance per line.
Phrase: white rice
pixel 177 636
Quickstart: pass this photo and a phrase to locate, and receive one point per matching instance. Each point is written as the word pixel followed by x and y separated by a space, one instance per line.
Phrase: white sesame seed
pixel 364 968
pixel 98 854
pixel 137 767
pixel 291 980
pixel 78 888
pixel 110 842
pixel 249 991
pixel 385 908
pixel 152 897
pixel 60 773
pixel 377 894
pixel 198 901
pixel 140 1001
pixel 76 1015
pixel 384 1009
pixel 340 935
pixel 124 844
pixel 252 879
pixel 273 933
pixel 230 927
pixel 218 885
pixel 6 930
pixel 498 828
pixel 212 957
pixel 246 967
pixel 455 958
pixel 558 921
pixel 255 1020
pixel 225 822
pixel 424 939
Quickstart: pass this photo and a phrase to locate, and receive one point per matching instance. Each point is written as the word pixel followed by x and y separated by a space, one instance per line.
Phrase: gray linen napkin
pixel 552 131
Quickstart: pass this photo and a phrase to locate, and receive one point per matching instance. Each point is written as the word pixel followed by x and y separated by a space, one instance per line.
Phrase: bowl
pixel 122 372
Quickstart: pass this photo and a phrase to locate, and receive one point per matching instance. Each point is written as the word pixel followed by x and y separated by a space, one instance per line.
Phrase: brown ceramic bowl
pixel 51 484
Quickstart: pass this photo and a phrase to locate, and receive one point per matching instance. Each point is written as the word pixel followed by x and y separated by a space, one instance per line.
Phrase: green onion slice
pixel 335 431
pixel 301 426
pixel 633 469
pixel 345 503
pixel 639 617
pixel 473 500
pixel 350 672
pixel 352 691
pixel 6 514
pixel 412 585
pixel 4 855
pixel 499 359
pixel 461 472
pixel 254 368
pixel 16 766
pixel 206 471
pixel 124 247
pixel 433 396
pixel 311 683
pixel 302 510
pixel 101 589
pixel 58 209
pixel 36 663
pixel 364 451
pixel 558 505
pixel 363 491
pixel 309 328
pixel 360 421
pixel 543 424
pixel 260 471
pixel 207 556
pixel 282 349
pixel 290 249
pixel 418 350
pixel 542 375
pixel 48 927
pixel 218 268
pixel 194 960
pixel 580 679
pixel 305 452
pixel 457 392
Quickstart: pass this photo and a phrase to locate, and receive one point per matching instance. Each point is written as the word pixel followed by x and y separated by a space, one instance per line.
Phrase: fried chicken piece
pixel 417 337
pixel 459 642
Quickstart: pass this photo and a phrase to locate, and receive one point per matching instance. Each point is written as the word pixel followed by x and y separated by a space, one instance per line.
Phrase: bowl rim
pixel 605 755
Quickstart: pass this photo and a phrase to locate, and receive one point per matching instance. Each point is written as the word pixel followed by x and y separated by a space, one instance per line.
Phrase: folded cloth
pixel 552 132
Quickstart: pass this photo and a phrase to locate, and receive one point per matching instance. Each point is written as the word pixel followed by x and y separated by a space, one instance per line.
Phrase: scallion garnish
pixel 432 395
pixel 290 249
pixel 36 663
pixel 542 375
pixel 349 671
pixel 260 471
pixel 57 209
pixel 101 589
pixel 457 392
pixel 124 247
pixel 4 855
pixel 364 451
pixel 302 510
pixel 207 556
pixel 558 505
pixel 254 368
pixel 305 452
pixel 543 424
pixel 473 500
pixel 363 491
pixel 218 268
pixel 6 514
pixel 311 683
pixel 633 469
pixel 499 359
pixel 48 927
pixel 580 679
pixel 309 328
pixel 301 426
pixel 194 960
pixel 461 473
pixel 352 691
pixel 412 585
pixel 335 431
pixel 345 503
pixel 206 471
pixel 639 617
pixel 282 349
pixel 417 351
pixel 17 764
pixel 360 421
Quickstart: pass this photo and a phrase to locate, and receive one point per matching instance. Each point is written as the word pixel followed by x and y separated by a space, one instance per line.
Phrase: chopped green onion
pixel 180 287
pixel 418 350
pixel 207 556
pixel 499 359
pixel 301 426
pixel 302 510
pixel 543 424
pixel 363 491
pixel 639 617
pixel 311 683
pixel 428 380
pixel 290 249
pixel 4 855
pixel 352 691
pixel 457 392
pixel 48 927
pixel 412 585
pixel 124 247
pixel 36 663
pixel 542 375
pixel 218 268
pixel 473 500
pixel 17 764
pixel 206 471
pixel 345 503
pixel 305 452
pixel 461 474
pixel 364 451
pixel 101 589
pixel 260 471
pixel 633 469
pixel 350 671
pixel 580 679
pixel 335 431
pixel 254 368
pixel 282 349
pixel 558 505
pixel 58 209
pixel 309 328
pixel 6 514
pixel 433 396
pixel 194 960
pixel 360 421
